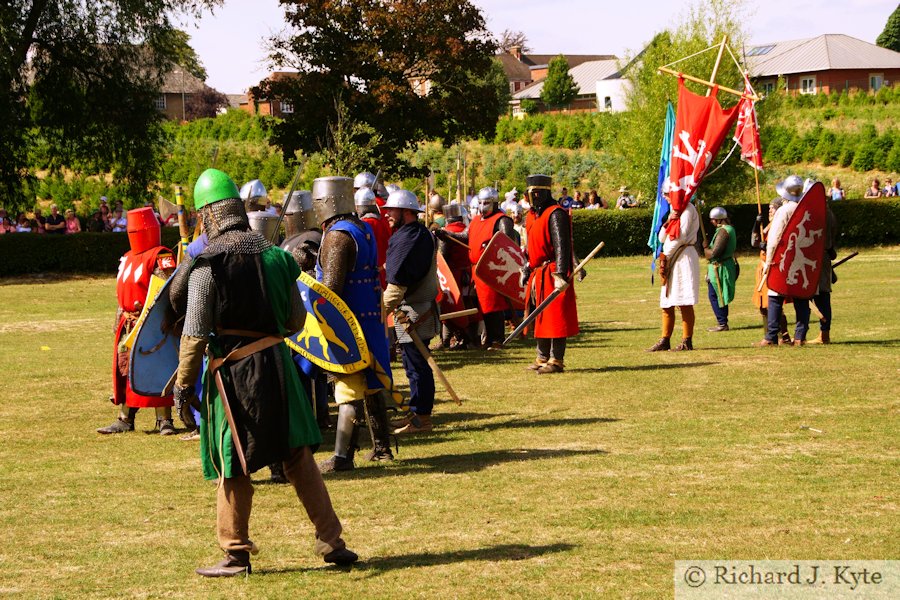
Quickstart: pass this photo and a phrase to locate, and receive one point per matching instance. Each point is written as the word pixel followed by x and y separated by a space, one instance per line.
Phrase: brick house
pixel 823 64
pixel 268 106
pixel 587 75
pixel 522 70
pixel 177 88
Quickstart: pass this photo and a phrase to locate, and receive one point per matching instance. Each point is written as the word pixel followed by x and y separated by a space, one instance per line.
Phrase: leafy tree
pixel 79 79
pixel 510 39
pixel 890 37
pixel 369 54
pixel 204 104
pixel 350 143
pixel 559 86
pixel 639 140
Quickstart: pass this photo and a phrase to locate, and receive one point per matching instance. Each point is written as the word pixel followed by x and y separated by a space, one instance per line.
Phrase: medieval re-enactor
pixel 347 265
pixel 760 297
pixel 146 258
pixel 410 296
pixel 457 259
pixel 721 273
pixel 791 189
pixel 242 301
pixel 369 212
pixel 489 220
pixel 302 240
pixel 550 265
pixel 822 299
pixel 679 269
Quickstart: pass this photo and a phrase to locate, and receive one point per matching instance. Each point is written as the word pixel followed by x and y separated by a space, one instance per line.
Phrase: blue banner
pixel 661 208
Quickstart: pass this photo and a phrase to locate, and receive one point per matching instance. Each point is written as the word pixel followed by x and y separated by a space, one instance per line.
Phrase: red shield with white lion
pixel 797 261
pixel 499 267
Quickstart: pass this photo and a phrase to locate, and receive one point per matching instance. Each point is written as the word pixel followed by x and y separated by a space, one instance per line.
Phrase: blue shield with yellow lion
pixel 331 337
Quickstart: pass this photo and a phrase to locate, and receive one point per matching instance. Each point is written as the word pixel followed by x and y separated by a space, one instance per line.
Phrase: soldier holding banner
pixel 550 265
pixel 242 301
pixel 679 269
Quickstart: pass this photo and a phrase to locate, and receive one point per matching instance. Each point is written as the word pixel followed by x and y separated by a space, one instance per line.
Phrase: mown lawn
pixel 588 484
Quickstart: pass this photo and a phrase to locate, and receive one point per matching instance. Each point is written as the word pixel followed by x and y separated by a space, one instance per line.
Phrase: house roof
pixel 235 100
pixel 542 60
pixel 178 81
pixel 515 69
pixel 822 53
pixel 586 76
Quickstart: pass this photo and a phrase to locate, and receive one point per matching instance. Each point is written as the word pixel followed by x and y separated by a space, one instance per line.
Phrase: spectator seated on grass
pixel 889 190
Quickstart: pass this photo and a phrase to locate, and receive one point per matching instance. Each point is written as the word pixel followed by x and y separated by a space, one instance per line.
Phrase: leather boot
pixel 686 344
pixel 342 557
pixel 379 428
pixel 277 473
pixel 165 427
pixel 661 345
pixel 536 365
pixel 237 562
pixel 124 423
pixel 552 366
pixel 824 338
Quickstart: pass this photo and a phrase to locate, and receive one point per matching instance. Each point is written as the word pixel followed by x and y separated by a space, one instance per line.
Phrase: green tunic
pixel 217 453
pixel 722 271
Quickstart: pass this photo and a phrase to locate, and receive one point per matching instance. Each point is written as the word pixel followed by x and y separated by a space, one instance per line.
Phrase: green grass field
pixel 587 484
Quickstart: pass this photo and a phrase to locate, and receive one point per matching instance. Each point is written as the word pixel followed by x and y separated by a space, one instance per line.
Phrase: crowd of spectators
pixel 105 218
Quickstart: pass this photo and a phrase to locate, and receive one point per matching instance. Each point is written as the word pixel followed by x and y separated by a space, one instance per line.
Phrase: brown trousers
pixel 235 499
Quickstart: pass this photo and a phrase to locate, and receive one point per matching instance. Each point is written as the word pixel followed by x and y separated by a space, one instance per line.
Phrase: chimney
pixel 516 51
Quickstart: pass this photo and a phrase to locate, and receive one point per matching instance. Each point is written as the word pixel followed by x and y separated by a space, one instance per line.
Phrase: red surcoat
pixel 132 285
pixel 560 318
pixel 382 231
pixel 481 231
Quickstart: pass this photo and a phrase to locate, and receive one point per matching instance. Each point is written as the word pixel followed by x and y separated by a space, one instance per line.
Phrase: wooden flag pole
pixel 715 71
pixel 753 97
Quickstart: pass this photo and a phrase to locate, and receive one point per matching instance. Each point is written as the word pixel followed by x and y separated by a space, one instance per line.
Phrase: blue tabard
pixel 362 293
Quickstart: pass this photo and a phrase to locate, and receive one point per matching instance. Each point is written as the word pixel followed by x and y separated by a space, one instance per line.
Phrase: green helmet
pixel 213 185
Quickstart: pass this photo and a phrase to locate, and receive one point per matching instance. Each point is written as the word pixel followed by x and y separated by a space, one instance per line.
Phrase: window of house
pixel 607 103
pixel 876 80
pixel 161 102
pixel 768 87
pixel 807 85
pixel 287 107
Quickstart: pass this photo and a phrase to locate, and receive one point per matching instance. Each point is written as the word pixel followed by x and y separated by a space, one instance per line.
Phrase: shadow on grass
pixel 888 343
pixel 453 464
pixel 616 368
pixel 378 565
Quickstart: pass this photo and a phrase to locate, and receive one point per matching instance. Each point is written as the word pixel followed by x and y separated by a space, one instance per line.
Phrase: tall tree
pixel 410 69
pixel 890 37
pixel 510 39
pixel 559 86
pixel 78 80
pixel 205 104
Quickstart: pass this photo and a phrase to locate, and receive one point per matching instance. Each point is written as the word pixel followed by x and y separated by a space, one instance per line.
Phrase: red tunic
pixel 560 318
pixel 132 284
pixel 481 231
pixel 457 256
pixel 382 231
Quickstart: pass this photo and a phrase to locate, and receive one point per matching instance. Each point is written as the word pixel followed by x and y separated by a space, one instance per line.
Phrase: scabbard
pixel 229 416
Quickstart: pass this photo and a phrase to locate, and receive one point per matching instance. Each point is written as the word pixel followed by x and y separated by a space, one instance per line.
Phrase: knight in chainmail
pixel 410 295
pixel 241 303
pixel 348 265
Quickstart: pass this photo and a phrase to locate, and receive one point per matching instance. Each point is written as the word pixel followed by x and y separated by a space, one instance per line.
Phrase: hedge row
pixel 862 152
pixel 23 253
pixel 861 223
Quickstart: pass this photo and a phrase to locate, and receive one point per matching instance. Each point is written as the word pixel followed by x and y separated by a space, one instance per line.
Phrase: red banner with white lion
pixel 701 125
